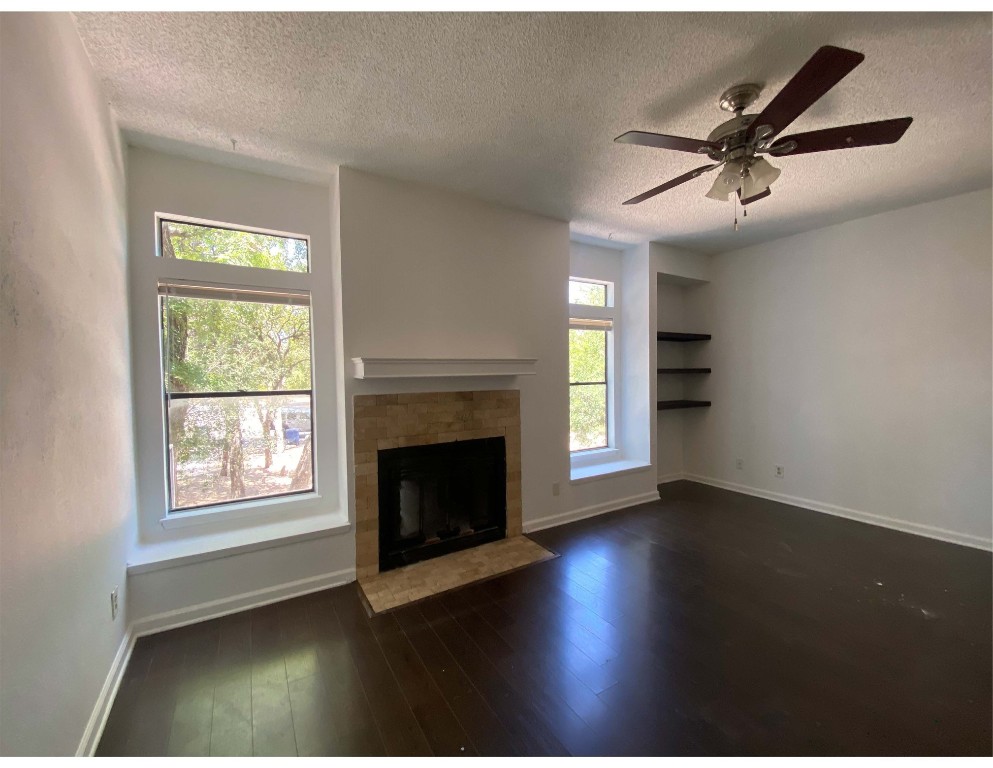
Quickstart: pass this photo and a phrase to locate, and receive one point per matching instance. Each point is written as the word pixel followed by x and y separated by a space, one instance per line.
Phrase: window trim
pixel 148 270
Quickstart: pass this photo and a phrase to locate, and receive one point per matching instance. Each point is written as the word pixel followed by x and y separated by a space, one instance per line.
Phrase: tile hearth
pixel 405 585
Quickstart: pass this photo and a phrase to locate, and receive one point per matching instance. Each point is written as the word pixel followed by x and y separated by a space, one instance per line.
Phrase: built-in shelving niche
pixel 673 405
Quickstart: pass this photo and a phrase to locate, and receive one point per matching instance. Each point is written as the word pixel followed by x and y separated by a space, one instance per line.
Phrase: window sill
pixel 608 469
pixel 241 510
pixel 211 546
pixel 593 457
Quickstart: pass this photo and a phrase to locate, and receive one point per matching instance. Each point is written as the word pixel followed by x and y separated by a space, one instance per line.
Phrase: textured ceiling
pixel 521 109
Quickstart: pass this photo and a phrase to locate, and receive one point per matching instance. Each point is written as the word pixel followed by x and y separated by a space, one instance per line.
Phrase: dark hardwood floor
pixel 705 623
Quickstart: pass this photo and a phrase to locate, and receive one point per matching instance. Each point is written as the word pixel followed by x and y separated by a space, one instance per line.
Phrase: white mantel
pixel 424 367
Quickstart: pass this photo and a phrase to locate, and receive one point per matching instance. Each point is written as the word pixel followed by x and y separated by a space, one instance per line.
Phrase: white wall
pixel 428 273
pixel 671 317
pixel 859 357
pixel 67 486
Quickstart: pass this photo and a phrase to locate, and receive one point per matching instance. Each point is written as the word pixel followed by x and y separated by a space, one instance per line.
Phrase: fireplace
pixel 384 422
pixel 436 499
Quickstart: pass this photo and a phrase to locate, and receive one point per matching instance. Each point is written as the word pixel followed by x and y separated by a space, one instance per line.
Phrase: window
pixel 236 366
pixel 591 326
pixel 237 247
pixel 237 386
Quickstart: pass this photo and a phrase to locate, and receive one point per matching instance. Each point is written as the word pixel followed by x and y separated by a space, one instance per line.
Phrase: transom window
pixel 587 293
pixel 236 247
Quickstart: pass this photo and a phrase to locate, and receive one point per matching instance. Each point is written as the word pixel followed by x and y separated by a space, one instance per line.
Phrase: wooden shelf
pixel 673 336
pixel 672 405
pixel 684 370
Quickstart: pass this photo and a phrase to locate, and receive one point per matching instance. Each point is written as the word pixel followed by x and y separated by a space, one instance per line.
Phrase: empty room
pixel 498 384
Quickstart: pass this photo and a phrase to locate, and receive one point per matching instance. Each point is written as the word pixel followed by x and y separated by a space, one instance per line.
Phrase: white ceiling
pixel 521 109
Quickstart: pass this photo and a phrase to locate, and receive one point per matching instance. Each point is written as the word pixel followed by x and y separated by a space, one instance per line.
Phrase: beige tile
pixel 414 582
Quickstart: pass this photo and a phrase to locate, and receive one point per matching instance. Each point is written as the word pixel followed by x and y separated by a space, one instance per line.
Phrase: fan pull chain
pixel 734 202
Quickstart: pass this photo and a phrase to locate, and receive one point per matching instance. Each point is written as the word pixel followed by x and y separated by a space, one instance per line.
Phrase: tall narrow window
pixel 236 369
pixel 590 342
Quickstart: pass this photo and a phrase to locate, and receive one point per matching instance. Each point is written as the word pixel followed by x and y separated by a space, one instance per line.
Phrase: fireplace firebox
pixel 440 498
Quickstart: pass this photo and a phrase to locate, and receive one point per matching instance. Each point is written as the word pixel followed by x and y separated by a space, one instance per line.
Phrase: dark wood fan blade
pixel 661 141
pixel 825 70
pixel 843 137
pixel 753 198
pixel 670 184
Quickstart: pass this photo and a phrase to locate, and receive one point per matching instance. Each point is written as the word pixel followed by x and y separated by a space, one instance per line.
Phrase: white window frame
pixel 150 416
pixel 594 456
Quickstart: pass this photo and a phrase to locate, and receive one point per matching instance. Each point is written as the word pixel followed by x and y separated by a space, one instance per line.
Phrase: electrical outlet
pixel 555 489
pixel 113 604
pixel 739 463
pixel 780 471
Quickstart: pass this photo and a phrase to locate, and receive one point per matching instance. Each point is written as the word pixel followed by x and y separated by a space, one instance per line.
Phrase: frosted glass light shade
pixel 726 183
pixel 760 176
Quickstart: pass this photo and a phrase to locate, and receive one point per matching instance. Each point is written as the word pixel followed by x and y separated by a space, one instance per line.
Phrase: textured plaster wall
pixel 67 505
pixel 859 358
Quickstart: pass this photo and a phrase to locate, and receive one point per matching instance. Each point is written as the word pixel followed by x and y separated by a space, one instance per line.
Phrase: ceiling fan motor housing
pixel 731 135
pixel 737 98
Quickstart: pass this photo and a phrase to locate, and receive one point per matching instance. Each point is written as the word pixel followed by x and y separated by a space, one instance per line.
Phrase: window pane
pixel 224 449
pixel 587 355
pixel 195 242
pixel 245 446
pixel 213 345
pixel 591 294
pixel 587 416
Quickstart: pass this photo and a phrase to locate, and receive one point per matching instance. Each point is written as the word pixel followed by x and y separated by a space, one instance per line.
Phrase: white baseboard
pixel 919 529
pixel 584 512
pixel 213 609
pixel 671 478
pixel 101 710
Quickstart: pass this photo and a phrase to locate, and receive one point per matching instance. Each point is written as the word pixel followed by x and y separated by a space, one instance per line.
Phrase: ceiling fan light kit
pixel 737 144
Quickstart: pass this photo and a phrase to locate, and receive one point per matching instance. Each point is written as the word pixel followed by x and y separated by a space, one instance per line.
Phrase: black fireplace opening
pixel 436 499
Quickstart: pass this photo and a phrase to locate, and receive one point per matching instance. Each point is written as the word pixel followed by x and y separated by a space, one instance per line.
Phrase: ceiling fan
pixel 738 143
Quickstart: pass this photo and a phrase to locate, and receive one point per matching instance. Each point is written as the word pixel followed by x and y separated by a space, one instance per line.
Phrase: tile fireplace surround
pixel 427 418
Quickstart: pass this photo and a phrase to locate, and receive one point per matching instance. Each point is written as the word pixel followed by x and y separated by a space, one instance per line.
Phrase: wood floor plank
pixel 481 723
pixel 401 733
pixel 516 711
pixel 441 728
pixel 708 623
pixel 354 724
pixel 272 718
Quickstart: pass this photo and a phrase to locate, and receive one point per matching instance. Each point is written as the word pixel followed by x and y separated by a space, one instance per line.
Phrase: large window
pixel 590 351
pixel 236 371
